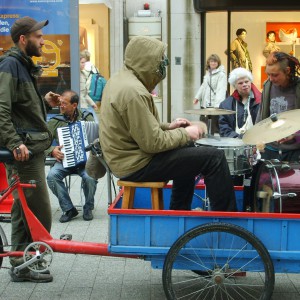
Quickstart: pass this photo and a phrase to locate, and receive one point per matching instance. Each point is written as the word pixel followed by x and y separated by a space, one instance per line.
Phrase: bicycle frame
pixel 40 234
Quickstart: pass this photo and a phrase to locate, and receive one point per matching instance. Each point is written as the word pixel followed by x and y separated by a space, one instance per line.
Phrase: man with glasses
pixel 69 114
pixel 137 146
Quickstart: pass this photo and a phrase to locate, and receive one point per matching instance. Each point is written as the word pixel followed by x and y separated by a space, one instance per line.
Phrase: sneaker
pixel 88 215
pixel 68 215
pixel 29 276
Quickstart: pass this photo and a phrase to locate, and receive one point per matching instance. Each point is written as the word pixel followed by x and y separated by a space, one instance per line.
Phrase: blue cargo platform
pixel 150 233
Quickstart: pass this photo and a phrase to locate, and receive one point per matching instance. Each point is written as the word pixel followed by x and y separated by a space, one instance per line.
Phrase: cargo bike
pixel 202 254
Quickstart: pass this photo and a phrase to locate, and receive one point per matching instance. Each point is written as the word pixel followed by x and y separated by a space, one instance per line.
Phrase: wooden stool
pixel 129 191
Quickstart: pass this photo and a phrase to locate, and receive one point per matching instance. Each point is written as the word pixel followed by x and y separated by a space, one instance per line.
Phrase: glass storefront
pixel 222 18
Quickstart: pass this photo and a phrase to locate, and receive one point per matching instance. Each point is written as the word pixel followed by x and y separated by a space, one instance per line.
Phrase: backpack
pixel 97 84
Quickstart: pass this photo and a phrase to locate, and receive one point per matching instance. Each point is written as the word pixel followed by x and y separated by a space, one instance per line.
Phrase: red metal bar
pixel 5 202
pixel 114 210
pixel 40 234
pixel 76 247
pixel 12 254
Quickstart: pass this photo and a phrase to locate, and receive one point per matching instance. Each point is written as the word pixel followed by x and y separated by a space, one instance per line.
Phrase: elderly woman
pixel 244 101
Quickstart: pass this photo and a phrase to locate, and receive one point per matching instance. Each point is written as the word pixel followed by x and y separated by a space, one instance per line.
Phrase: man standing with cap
pixel 23 129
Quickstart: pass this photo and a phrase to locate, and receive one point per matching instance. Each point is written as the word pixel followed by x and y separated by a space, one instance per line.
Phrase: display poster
pixel 55 59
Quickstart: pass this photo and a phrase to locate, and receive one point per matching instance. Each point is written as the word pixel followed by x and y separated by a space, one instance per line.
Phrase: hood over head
pixel 144 56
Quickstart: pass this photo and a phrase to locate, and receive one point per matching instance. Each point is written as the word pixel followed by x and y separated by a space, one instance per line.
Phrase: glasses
pixel 64 104
pixel 165 61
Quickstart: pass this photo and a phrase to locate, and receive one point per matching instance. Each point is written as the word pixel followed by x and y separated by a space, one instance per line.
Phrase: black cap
pixel 25 25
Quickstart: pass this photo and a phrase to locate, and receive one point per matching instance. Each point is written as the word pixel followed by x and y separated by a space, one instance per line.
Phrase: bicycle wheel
pixel 218 261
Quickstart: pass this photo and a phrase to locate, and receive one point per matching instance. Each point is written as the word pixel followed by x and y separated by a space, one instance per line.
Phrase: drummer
pixel 244 101
pixel 281 92
pixel 138 147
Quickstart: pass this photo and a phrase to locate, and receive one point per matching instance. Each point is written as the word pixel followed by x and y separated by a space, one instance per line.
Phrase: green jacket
pixel 130 129
pixel 61 121
pixel 264 113
pixel 22 109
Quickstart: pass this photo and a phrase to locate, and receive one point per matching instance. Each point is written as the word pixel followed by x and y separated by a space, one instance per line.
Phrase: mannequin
pixel 83 42
pixel 239 54
pixel 271 45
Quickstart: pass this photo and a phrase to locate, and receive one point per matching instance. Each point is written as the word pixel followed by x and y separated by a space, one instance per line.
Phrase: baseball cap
pixel 25 25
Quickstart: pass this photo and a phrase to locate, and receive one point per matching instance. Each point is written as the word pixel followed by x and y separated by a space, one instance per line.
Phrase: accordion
pixel 74 140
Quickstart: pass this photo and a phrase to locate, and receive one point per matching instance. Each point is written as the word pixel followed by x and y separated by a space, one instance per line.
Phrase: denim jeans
pixel 55 180
pixel 182 166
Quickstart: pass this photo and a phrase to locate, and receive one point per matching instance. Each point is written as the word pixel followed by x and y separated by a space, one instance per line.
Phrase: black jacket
pixel 227 123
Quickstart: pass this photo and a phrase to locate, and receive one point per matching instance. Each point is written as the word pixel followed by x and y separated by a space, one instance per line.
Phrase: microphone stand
pixel 210 88
pixel 209 120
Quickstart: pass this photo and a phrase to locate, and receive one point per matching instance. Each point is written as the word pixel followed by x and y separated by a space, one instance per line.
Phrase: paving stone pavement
pixel 87 277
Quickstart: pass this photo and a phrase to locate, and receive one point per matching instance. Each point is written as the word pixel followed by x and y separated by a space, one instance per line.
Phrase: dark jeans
pixel 292 155
pixel 182 166
pixel 37 200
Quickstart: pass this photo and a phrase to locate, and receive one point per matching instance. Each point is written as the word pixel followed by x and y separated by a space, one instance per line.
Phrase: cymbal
pixel 210 111
pixel 274 128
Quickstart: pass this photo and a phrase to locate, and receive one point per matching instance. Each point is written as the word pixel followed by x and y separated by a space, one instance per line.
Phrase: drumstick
pixel 266 195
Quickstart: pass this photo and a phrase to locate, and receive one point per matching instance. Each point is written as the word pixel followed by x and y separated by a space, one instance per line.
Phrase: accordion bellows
pixel 289 35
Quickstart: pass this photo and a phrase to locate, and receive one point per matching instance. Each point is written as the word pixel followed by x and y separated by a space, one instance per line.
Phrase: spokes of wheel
pixel 218 261
pixel 39 250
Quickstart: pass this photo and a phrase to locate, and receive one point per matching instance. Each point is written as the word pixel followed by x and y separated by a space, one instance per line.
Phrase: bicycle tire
pixel 225 277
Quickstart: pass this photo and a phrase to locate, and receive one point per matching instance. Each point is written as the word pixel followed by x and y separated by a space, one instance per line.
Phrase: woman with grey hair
pixel 244 101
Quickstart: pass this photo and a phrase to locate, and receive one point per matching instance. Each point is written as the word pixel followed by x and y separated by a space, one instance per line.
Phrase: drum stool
pixel 129 191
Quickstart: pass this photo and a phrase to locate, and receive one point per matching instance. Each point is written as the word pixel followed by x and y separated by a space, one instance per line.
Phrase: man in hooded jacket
pixel 138 147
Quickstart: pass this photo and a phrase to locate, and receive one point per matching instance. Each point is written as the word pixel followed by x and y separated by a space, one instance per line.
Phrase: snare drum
pixel 237 153
pixel 276 187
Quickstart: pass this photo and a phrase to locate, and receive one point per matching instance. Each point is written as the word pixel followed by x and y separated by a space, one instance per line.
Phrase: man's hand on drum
pixel 179 122
pixel 287 140
pixel 195 132
pixel 260 147
pixel 201 126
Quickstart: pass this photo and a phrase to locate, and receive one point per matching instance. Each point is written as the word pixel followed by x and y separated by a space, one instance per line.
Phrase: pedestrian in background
pixel 213 89
pixel 85 100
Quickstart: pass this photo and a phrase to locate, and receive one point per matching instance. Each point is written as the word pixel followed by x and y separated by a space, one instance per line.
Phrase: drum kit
pixel 274 184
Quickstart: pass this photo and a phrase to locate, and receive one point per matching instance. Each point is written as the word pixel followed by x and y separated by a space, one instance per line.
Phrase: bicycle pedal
pixel 66 237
